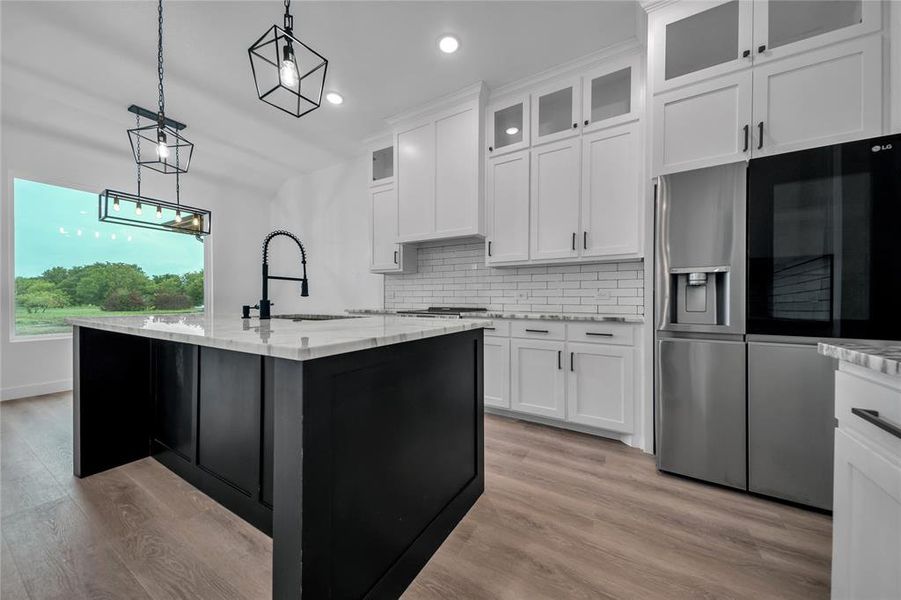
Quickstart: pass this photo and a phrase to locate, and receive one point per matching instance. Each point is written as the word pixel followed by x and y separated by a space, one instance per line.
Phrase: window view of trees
pixel 68 264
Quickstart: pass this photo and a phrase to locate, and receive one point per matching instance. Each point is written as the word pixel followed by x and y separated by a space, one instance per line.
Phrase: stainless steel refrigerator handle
pixel 872 416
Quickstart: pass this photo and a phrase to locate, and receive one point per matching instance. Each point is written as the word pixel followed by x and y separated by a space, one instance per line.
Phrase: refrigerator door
pixel 701 409
pixel 791 422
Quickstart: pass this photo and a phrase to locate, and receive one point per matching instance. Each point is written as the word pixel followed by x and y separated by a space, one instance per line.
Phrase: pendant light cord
pixel 289 19
pixel 138 150
pixel 160 65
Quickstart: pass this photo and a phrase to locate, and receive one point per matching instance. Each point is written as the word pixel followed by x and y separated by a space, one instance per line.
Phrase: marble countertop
pixel 519 315
pixel 883 357
pixel 282 338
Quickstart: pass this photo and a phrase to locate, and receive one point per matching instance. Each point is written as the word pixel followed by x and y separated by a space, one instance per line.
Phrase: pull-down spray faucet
pixel 265 305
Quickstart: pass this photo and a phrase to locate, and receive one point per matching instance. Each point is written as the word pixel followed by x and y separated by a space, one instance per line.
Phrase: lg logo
pixel 877 148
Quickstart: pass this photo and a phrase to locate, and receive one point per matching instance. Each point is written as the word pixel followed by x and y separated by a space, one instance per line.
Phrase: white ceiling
pixel 73 67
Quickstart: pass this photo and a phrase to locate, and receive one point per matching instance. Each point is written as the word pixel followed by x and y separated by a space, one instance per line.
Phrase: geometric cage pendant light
pixel 163 136
pixel 288 74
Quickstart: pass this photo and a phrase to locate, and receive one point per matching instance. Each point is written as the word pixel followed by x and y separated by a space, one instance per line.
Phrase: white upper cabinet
pixel 703 125
pixel 611 192
pixel 784 27
pixel 508 126
pixel 555 200
pixel 821 97
pixel 697 40
pixel 507 201
pixel 381 170
pixel 556 112
pixel 438 169
pixel 416 182
pixel 611 94
pixel 384 250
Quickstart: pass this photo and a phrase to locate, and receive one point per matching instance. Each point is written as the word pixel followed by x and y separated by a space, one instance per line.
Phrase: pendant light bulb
pixel 159 212
pixel 138 209
pixel 288 70
pixel 195 221
pixel 116 205
pixel 162 150
pixel 178 216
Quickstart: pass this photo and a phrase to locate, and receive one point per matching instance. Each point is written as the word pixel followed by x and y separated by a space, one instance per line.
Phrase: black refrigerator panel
pixel 824 241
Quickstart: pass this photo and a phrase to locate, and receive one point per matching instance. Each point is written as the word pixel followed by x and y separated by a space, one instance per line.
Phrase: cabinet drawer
pixel 543 330
pixel 856 392
pixel 601 333
pixel 498 329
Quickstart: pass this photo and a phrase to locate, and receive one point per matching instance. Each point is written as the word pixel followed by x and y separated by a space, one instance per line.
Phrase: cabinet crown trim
pixel 471 92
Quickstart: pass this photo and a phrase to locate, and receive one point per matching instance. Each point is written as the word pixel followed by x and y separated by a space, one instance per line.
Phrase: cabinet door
pixel 174 369
pixel 383 235
pixel 555 112
pixel 382 166
pixel 866 522
pixel 538 378
pixel 694 41
pixel 415 182
pixel 497 372
pixel 508 126
pixel 612 94
pixel 599 389
pixel 785 27
pixel 555 200
pixel 819 98
pixel 508 208
pixel 457 173
pixel 611 192
pixel 703 125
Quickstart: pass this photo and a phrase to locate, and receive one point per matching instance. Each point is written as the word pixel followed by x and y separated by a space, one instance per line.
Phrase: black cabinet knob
pixel 490 149
pixel 761 48
pixel 586 122
pixel 575 125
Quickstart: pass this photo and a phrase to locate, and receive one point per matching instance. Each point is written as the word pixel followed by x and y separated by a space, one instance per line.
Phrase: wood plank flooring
pixel 564 515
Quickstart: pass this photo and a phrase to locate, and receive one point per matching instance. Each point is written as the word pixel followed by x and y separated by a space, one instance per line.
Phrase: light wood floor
pixel 564 516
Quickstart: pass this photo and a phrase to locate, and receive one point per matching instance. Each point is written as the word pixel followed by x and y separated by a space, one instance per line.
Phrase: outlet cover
pixel 522 295
pixel 602 294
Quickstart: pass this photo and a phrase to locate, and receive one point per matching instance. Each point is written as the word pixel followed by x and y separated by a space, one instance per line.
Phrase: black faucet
pixel 265 305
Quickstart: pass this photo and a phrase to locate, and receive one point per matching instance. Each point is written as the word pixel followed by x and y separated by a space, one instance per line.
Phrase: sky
pixel 57 226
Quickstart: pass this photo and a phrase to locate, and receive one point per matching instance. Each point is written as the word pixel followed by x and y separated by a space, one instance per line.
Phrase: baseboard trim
pixel 35 389
pixel 625 438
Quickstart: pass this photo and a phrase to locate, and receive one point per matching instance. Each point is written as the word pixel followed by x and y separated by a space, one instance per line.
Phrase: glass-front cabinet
pixel 382 169
pixel 508 126
pixel 611 94
pixel 555 111
pixel 783 27
pixel 698 40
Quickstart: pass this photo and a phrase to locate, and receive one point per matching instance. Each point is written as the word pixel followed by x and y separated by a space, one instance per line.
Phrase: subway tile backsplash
pixel 454 274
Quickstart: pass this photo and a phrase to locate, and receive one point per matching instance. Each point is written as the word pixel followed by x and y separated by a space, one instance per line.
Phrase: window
pixel 67 263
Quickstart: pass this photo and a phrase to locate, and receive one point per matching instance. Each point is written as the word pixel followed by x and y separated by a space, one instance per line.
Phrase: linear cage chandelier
pixel 149 213
pixel 163 135
pixel 288 74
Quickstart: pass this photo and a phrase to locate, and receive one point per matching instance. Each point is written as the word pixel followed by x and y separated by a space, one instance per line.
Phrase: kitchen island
pixel 355 442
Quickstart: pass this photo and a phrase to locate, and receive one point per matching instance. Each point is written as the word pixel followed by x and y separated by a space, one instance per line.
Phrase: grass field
pixel 52 320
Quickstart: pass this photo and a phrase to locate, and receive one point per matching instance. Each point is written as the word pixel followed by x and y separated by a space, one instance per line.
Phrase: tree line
pixel 110 286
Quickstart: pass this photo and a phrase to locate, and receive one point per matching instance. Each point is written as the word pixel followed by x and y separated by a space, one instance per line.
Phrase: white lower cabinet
pixel 539 386
pixel 497 372
pixel 599 386
pixel 866 537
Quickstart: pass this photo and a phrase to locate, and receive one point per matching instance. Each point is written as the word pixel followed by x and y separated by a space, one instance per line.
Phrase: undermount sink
pixel 314 317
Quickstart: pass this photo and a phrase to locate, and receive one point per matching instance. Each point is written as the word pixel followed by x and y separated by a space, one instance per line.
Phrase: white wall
pixel 240 220
pixel 329 210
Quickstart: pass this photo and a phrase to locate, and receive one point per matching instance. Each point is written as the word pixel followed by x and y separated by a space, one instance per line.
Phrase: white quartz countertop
pixel 519 315
pixel 883 357
pixel 282 338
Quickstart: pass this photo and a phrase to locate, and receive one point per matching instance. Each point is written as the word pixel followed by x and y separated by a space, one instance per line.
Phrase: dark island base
pixel 359 465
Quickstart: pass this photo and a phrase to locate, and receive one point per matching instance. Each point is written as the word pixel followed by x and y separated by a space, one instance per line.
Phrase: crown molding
pixel 650 6
pixel 579 64
pixel 474 91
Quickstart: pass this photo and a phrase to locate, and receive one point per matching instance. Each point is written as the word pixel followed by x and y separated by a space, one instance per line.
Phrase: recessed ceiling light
pixel 448 44
pixel 512 130
pixel 334 97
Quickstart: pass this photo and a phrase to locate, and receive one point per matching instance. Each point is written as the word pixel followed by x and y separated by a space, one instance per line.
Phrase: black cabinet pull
pixel 572 364
pixel 584 240
pixel 575 125
pixel 872 416
pixel 489 328
pixel 761 48
pixel 586 122
pixel 574 240
pixel 560 359
pixel 598 334
pixel 489 247
pixel 395 257
pixel 746 54
pixel 537 331
pixel 747 131
pixel 760 135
